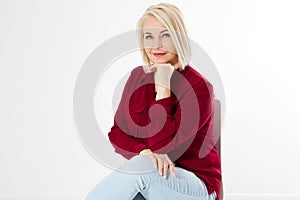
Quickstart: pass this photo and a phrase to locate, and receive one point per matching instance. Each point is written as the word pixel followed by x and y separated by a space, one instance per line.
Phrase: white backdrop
pixel 254 45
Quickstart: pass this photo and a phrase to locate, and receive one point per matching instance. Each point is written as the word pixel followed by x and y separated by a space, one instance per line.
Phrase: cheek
pixel 147 44
pixel 147 51
pixel 170 47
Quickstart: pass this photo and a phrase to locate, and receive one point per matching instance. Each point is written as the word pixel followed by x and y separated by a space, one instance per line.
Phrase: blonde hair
pixel 171 17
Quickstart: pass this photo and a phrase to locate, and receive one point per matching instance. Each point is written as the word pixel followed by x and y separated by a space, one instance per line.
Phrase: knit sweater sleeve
pixel 124 142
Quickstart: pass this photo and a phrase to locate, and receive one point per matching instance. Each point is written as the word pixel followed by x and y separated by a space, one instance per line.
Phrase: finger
pixel 153 159
pixel 166 66
pixel 153 68
pixel 172 171
pixel 160 165
pixel 165 169
pixel 170 164
pixel 167 158
pixel 162 64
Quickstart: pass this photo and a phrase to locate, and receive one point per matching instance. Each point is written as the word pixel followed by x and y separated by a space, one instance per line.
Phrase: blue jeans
pixel 120 185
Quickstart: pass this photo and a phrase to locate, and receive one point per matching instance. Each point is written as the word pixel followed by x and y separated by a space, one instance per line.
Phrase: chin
pixel 158 61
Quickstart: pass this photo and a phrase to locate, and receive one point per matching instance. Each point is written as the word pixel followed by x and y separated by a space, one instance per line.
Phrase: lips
pixel 158 54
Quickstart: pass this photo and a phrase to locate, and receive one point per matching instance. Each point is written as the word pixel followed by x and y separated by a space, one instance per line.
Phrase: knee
pixel 138 164
pixel 139 159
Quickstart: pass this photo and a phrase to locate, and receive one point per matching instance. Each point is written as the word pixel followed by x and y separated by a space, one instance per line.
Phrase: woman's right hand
pixel 161 162
pixel 162 74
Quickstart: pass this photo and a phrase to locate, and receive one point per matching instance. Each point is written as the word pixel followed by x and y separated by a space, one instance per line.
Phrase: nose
pixel 157 43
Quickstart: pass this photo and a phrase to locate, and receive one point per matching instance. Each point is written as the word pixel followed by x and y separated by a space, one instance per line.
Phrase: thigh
pixel 184 186
pixel 124 182
pixel 138 175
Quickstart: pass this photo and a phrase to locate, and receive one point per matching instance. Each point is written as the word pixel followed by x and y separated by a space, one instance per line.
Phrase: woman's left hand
pixel 161 162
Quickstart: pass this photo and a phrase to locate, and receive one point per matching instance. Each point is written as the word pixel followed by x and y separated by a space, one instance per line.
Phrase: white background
pixel 254 45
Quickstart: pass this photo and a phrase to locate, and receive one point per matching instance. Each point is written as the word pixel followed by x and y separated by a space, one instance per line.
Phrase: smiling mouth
pixel 159 54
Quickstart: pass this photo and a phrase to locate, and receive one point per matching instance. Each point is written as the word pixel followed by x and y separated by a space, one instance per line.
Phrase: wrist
pixel 162 92
pixel 145 151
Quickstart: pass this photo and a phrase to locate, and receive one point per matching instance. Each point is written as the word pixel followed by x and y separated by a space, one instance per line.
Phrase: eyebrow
pixel 151 33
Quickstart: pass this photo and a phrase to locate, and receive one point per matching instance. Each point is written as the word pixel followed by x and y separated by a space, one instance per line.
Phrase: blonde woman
pixel 173 142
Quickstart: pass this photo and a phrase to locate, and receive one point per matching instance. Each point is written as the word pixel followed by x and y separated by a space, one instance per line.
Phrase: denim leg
pixel 184 185
pixel 124 183
pixel 149 184
pixel 117 186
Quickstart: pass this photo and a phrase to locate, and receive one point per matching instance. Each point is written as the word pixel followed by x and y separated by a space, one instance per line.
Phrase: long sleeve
pixel 192 116
pixel 124 143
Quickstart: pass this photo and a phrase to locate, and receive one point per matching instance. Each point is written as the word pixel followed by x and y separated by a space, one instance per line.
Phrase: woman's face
pixel 158 43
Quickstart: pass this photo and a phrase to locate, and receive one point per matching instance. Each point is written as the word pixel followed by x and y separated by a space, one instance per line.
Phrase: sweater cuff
pixel 165 102
pixel 139 147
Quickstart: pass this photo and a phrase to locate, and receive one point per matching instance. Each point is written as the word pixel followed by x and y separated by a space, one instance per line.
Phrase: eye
pixel 166 35
pixel 148 37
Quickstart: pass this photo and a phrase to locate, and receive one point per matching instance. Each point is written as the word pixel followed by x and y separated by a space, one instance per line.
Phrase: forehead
pixel 151 24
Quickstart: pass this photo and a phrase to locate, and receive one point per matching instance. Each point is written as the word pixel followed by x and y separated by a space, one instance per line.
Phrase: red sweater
pixel 183 129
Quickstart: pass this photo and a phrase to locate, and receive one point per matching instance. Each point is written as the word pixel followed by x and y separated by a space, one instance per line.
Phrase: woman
pixel 175 145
